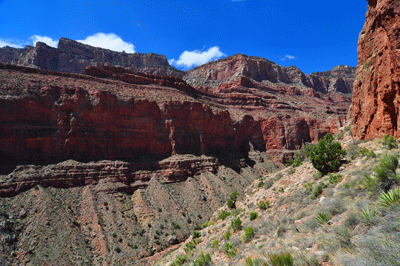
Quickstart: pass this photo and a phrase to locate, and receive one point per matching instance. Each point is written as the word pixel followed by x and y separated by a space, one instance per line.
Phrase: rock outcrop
pixel 262 70
pixel 73 57
pixel 376 95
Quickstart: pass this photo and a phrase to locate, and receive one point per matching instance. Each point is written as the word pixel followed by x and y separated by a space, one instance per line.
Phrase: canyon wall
pixel 73 57
pixel 376 97
pixel 339 79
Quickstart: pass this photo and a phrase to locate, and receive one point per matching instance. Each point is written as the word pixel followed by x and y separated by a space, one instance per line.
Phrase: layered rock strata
pixel 376 95
pixel 212 74
pixel 73 57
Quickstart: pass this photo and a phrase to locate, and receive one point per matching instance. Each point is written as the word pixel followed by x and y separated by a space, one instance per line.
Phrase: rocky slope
pixel 376 90
pixel 343 223
pixel 127 163
pixel 72 57
pixel 229 69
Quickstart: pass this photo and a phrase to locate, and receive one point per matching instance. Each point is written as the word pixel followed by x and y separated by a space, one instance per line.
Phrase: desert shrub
pixel 232 200
pixel 269 183
pixel 227 235
pixel 369 183
pixel 222 215
pixel 327 155
pixel 260 184
pixel 207 224
pixel 314 191
pixel 249 261
pixel 196 234
pixel 203 260
pixel 236 224
pixel 118 249
pixel 281 259
pixel 230 250
pixel 263 205
pixel 253 215
pixel 334 179
pixel 386 172
pixel 248 234
pixel 215 243
pixel 390 141
pixel 179 261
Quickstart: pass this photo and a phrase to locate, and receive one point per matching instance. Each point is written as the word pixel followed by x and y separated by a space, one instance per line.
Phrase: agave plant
pixel 367 215
pixel 323 217
pixel 389 198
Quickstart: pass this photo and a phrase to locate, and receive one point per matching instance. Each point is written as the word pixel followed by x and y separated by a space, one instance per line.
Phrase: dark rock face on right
pixel 376 96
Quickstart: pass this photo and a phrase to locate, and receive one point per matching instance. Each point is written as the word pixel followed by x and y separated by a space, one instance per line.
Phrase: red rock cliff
pixel 376 98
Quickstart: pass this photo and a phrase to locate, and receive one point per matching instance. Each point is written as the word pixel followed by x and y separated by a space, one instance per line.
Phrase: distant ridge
pixel 73 57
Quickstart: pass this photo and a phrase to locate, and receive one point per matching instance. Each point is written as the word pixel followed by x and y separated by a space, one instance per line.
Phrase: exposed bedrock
pixel 376 98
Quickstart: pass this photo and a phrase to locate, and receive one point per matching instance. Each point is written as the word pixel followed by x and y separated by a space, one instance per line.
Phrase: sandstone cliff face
pixel 376 90
pixel 263 70
pixel 73 57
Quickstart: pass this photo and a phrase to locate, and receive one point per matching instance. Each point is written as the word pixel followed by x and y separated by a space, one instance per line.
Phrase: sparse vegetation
pixel 281 259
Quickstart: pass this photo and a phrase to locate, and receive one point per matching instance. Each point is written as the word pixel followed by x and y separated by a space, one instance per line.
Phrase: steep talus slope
pixel 376 90
pixel 262 70
pixel 72 57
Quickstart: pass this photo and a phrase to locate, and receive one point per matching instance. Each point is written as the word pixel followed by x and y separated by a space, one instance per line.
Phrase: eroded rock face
pixel 43 122
pixel 262 70
pixel 73 57
pixel 376 95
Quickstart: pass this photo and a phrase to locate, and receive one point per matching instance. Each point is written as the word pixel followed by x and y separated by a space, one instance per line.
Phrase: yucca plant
pixel 367 215
pixel 389 198
pixel 323 217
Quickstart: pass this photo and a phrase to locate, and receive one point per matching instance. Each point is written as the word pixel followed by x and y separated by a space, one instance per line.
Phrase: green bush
pixel 248 234
pixel 390 142
pixel 236 224
pixel 227 235
pixel 253 215
pixel 260 184
pixel 223 215
pixel 327 156
pixel 196 234
pixel 230 250
pixel 263 205
pixel 203 260
pixel 179 261
pixel 334 179
pixel 118 249
pixel 215 243
pixel 316 190
pixel 232 200
pixel 386 171
pixel 282 259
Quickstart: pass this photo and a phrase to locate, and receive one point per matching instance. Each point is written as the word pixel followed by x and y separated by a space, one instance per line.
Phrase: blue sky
pixel 312 35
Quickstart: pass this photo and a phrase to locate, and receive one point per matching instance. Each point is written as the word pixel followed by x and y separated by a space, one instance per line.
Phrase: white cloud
pixel 4 43
pixel 109 41
pixel 290 57
pixel 47 40
pixel 190 59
